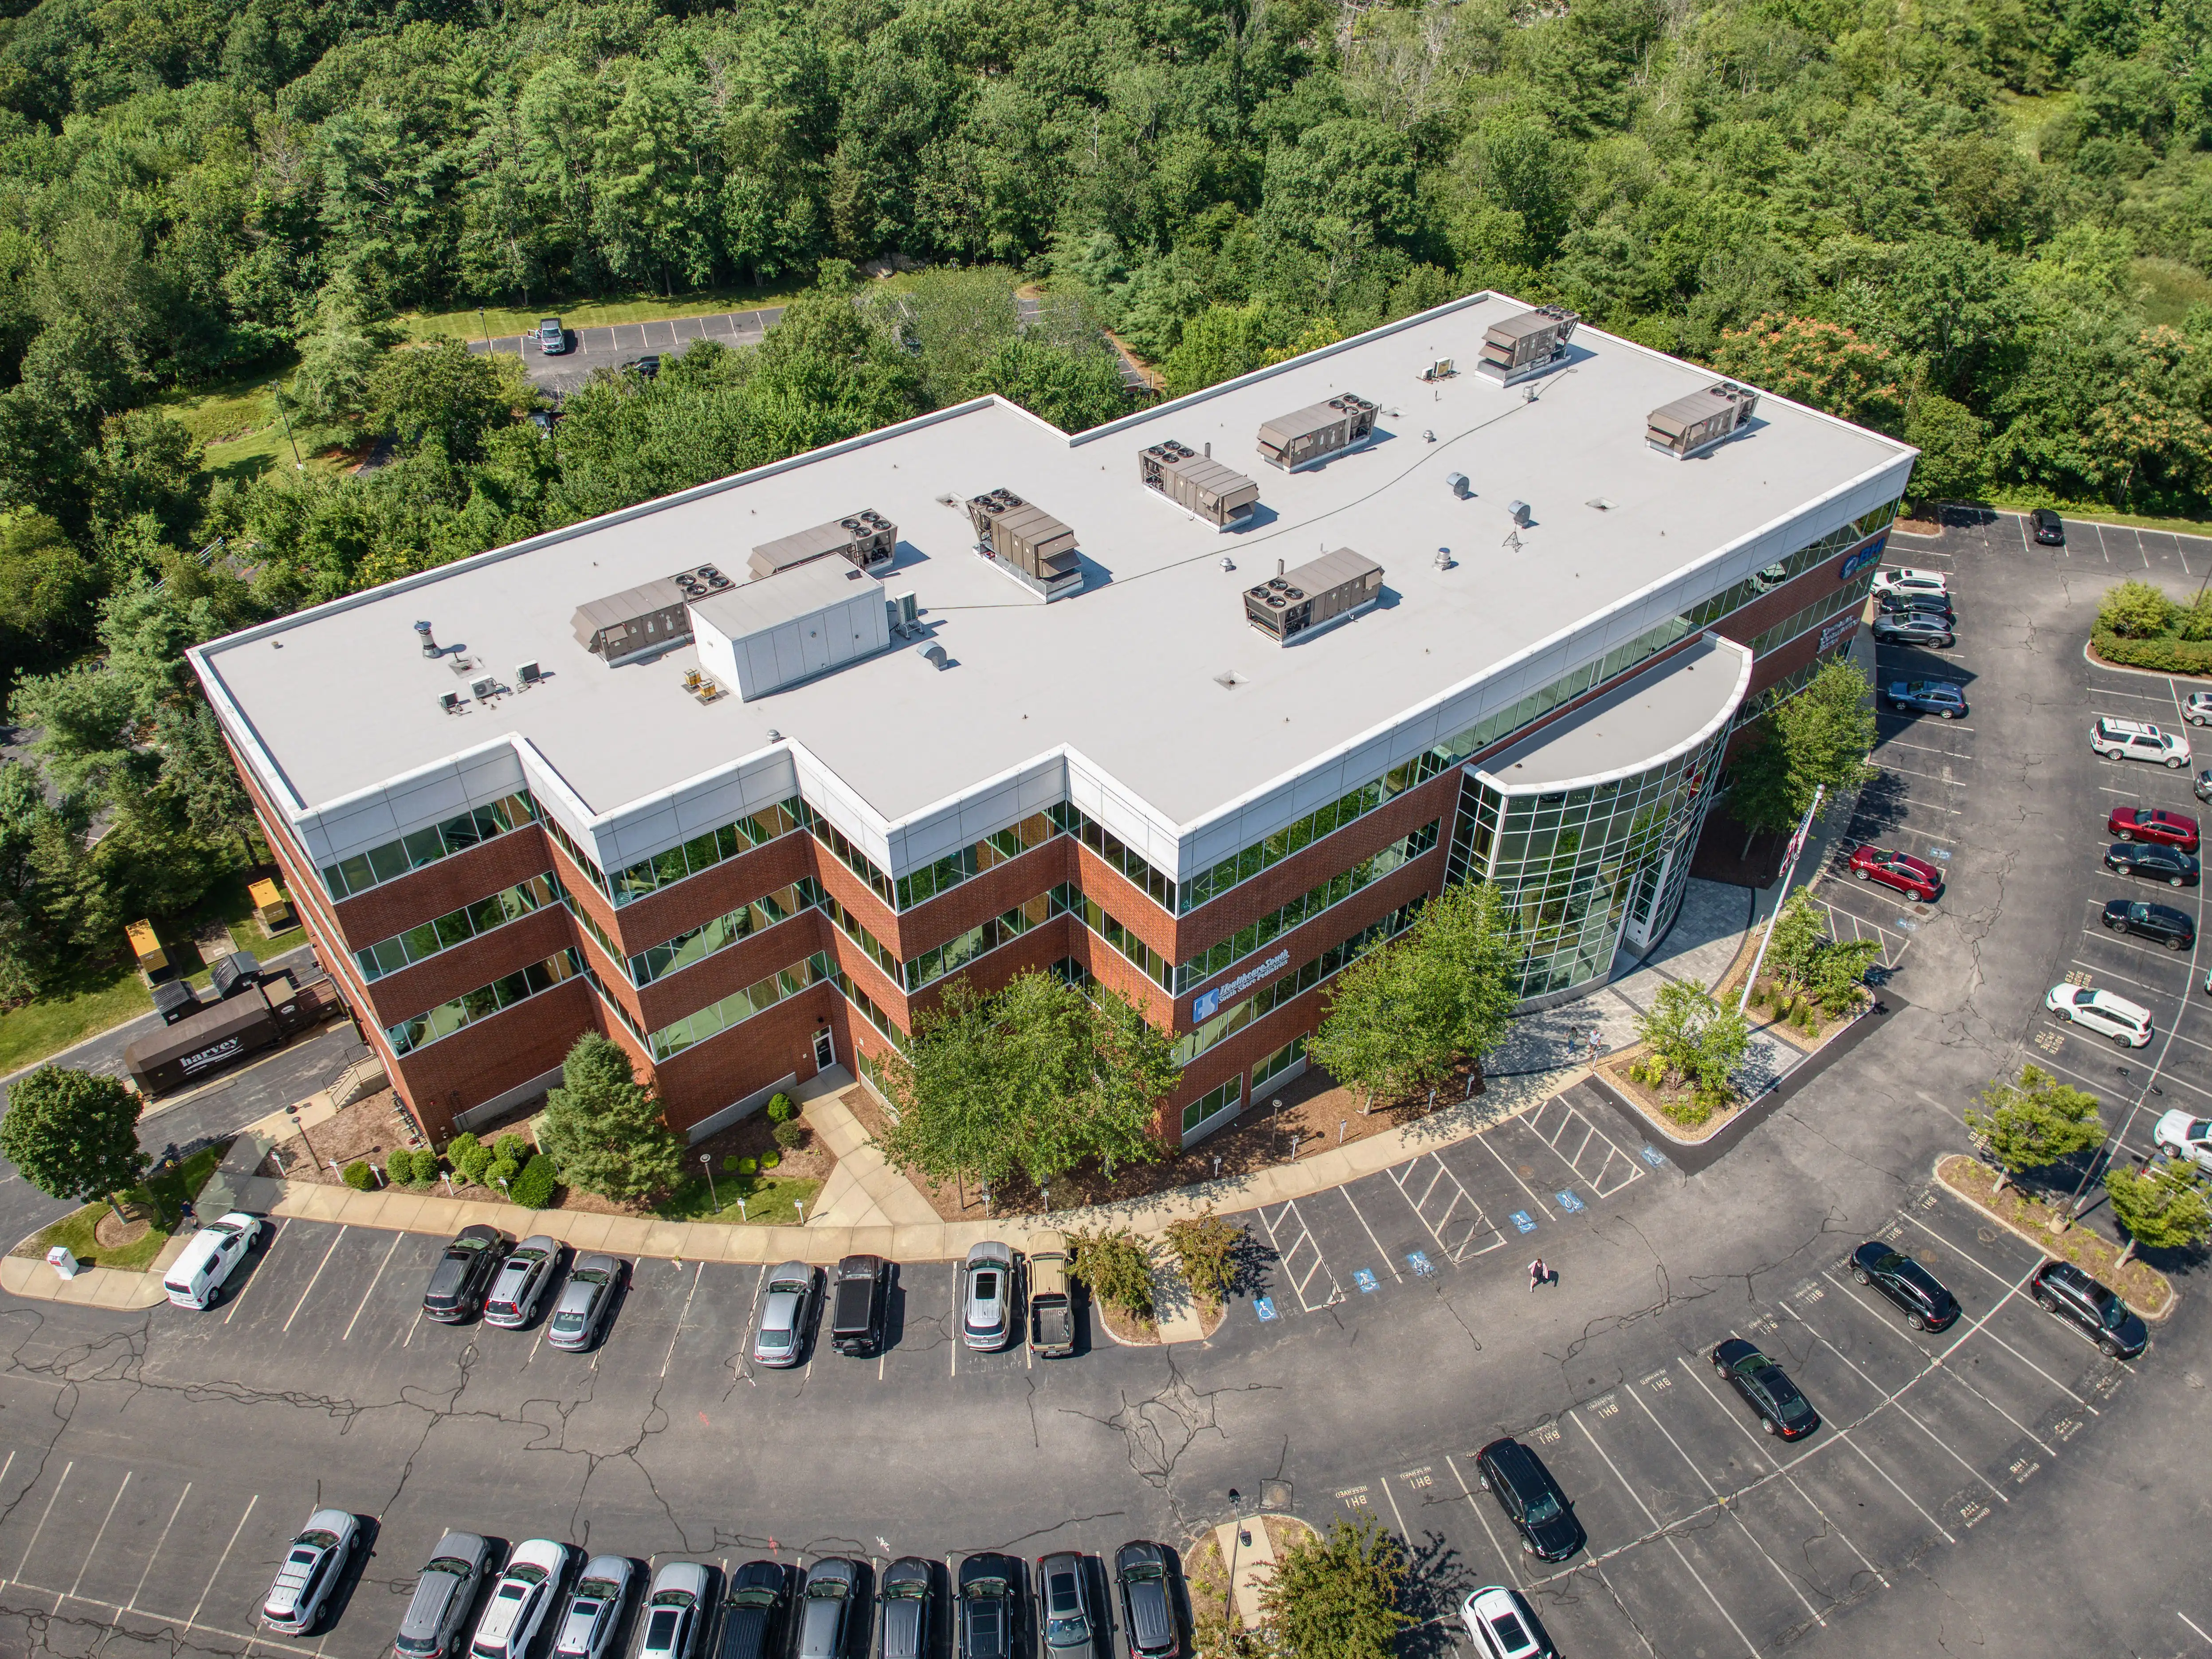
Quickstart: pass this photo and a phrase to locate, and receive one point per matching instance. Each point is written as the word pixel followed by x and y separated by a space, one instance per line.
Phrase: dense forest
pixel 1981 224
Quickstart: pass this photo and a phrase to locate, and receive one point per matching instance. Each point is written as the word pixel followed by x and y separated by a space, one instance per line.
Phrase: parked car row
pixel 766 1609
pixel 483 1273
pixel 989 1298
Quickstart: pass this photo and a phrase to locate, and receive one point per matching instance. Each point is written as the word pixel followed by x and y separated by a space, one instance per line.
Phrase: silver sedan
pixel 786 1314
pixel 587 1302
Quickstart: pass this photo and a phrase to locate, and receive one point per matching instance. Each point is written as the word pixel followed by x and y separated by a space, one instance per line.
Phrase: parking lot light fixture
pixel 706 1162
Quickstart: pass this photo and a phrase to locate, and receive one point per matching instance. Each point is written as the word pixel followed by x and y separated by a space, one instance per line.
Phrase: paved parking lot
pixel 614 344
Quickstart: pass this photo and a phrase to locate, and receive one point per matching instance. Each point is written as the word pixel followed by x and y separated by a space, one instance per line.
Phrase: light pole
pixel 1229 1601
pixel 706 1162
pixel 298 466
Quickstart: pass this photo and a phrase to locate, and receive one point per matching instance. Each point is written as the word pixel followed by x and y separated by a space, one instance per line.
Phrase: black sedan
pixel 463 1274
pixel 1914 628
pixel 1532 1500
pixel 2169 926
pixel 2147 858
pixel 1928 1306
pixel 1766 1389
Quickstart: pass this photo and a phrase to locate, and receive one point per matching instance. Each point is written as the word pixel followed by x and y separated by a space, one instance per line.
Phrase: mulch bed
pixel 2144 1288
pixel 1721 855
pixel 1315 1110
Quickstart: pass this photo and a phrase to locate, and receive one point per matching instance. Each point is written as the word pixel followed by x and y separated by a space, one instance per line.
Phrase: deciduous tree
pixel 73 1135
pixel 2162 1207
pixel 1335 1596
pixel 2034 1123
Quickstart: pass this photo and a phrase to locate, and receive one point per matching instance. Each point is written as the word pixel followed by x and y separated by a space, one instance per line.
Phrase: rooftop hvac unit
pixel 1695 423
pixel 648 619
pixel 483 687
pixel 450 702
pixel 1441 369
pixel 903 615
pixel 761 636
pixel 864 537
pixel 1332 587
pixel 1527 344
pixel 1197 482
pixel 528 674
pixel 1028 543
pixel 1318 431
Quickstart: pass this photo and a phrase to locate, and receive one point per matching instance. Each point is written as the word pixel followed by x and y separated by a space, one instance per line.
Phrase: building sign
pixel 1206 1003
pixel 1864 558
pixel 1837 628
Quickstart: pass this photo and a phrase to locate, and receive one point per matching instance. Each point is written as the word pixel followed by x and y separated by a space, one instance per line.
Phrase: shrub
pixel 748 1166
pixel 534 1188
pixel 790 1135
pixel 1116 1268
pixel 468 1156
pixel 359 1177
pixel 2135 609
pixel 730 1163
pixel 425 1168
pixel 514 1148
pixel 498 1169
pixel 399 1166
pixel 769 1160
pixel 783 1108
pixel 1207 1250
pixel 2164 656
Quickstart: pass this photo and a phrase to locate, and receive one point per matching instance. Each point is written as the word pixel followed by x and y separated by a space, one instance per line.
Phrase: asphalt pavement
pixel 611 346
pixel 1998 1487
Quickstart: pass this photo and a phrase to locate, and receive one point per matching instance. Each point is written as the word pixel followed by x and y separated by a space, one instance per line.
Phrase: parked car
pixel 2152 824
pixel 1904 580
pixel 463 1274
pixel 2049 531
pixel 587 1627
pixel 2127 1024
pixel 861 1304
pixel 2063 1288
pixel 1914 878
pixel 2118 739
pixel 2171 928
pixel 2201 786
pixel 1503 1626
pixel 1148 1612
pixel 525 1595
pixel 1897 603
pixel 754 1611
pixel 311 1566
pixel 529 1268
pixel 1937 697
pixel 586 1301
pixel 195 1278
pixel 1927 1305
pixel 905 1600
pixel 675 1612
pixel 1532 1500
pixel 990 1599
pixel 1766 1389
pixel 2147 858
pixel 825 1607
pixel 1052 1298
pixel 552 337
pixel 1070 1623
pixel 645 368
pixel 2196 707
pixel 1914 628
pixel 786 1316
pixel 987 1296
pixel 431 1626
pixel 2181 1136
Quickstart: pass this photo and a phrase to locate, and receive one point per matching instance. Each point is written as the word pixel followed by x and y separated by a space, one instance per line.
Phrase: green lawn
pixel 465 323
pixel 168 1192
pixel 2013 501
pixel 770 1201
pixel 237 422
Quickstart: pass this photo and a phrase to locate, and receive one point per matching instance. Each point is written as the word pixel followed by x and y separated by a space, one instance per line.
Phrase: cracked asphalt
pixel 1999 1487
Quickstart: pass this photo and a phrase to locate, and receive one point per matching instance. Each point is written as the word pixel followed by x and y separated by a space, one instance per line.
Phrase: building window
pixel 1229 1021
pixel 1277 1063
pixel 1132 949
pixel 389 956
pixel 1074 821
pixel 698 944
pixel 702 853
pixel 955 954
pixel 482 1003
pixel 849 855
pixel 1214 1100
pixel 740 1007
pixel 395 858
pixel 1322 895
pixel 919 886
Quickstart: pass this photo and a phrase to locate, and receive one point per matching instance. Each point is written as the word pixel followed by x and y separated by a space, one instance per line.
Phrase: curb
pixel 1935 1174
pixel 2089 656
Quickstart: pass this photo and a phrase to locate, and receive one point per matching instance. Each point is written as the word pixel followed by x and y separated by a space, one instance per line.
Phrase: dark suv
pixel 991 1591
pixel 858 1305
pixel 2065 1290
pixel 463 1274
pixel 1928 1306
pixel 2169 926
pixel 753 1611
pixel 1532 1500
pixel 2049 531
pixel 1148 1614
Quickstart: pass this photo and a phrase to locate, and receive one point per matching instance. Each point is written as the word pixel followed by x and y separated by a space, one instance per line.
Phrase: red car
pixel 2151 824
pixel 1909 875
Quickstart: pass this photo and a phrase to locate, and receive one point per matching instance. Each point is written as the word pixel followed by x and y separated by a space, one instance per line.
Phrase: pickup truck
pixel 1052 1307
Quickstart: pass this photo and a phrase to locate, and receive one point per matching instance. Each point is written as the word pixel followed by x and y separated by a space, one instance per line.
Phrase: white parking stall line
pixel 1908 722
pixel 2115 691
pixel 2098 1085
pixel 2101 548
pixel 1925 806
pixel 43 1514
pixel 372 1277
pixel 1921 748
pixel 316 1275
pixel 2110 938
pixel 1603 1180
pixel 2191 1623
pixel 1345 1194
pixel 84 1566
pixel 1512 1567
pixel 1863 1300
pixel 673 1336
pixel 1697 1577
pixel 1933 777
pixel 1867 1458
pixel 221 1558
pixel 136 1589
pixel 1483 1141
pixel 1466 1224
pixel 1287 1258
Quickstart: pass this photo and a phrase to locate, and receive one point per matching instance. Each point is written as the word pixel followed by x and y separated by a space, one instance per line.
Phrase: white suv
pixel 2118 739
pixel 2181 1136
pixel 1911 581
pixel 2126 1022
pixel 2196 707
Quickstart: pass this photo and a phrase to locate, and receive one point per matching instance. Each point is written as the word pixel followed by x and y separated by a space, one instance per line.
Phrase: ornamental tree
pixel 2162 1207
pixel 1823 364
pixel 2034 1123
pixel 1335 1596
pixel 74 1134
pixel 603 1128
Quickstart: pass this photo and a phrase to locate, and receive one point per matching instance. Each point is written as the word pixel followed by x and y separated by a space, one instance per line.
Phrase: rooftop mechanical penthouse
pixel 1035 705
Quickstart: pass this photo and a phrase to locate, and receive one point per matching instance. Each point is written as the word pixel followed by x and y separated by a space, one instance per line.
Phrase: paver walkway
pixel 1249 1565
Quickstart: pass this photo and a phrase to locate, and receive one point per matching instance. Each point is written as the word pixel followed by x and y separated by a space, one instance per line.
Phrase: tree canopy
pixel 2034 1123
pixel 74 1134
pixel 603 1128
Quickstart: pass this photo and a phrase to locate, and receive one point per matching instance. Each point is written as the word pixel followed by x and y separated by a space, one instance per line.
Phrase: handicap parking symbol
pixel 1365 1280
pixel 1568 1200
pixel 1654 1157
pixel 1264 1307
pixel 1420 1262
pixel 1524 1221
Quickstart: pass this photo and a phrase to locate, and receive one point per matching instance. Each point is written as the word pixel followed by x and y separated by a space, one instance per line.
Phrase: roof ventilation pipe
pixel 429 645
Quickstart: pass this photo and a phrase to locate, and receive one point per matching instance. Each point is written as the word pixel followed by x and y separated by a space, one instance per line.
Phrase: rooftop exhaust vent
pixel 1689 426
pixel 1318 431
pixel 1527 344
pixel 1457 483
pixel 1197 482
pixel 1518 511
pixel 1027 542
pixel 429 645
pixel 1332 587
pixel 866 539
pixel 934 654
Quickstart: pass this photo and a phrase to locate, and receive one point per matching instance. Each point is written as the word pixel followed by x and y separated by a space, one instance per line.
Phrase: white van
pixel 195 1279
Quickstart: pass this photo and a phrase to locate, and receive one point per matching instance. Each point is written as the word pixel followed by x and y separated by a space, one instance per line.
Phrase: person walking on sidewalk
pixel 1537 1274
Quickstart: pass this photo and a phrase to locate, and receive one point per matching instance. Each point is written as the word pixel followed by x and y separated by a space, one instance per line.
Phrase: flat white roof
pixel 1126 672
